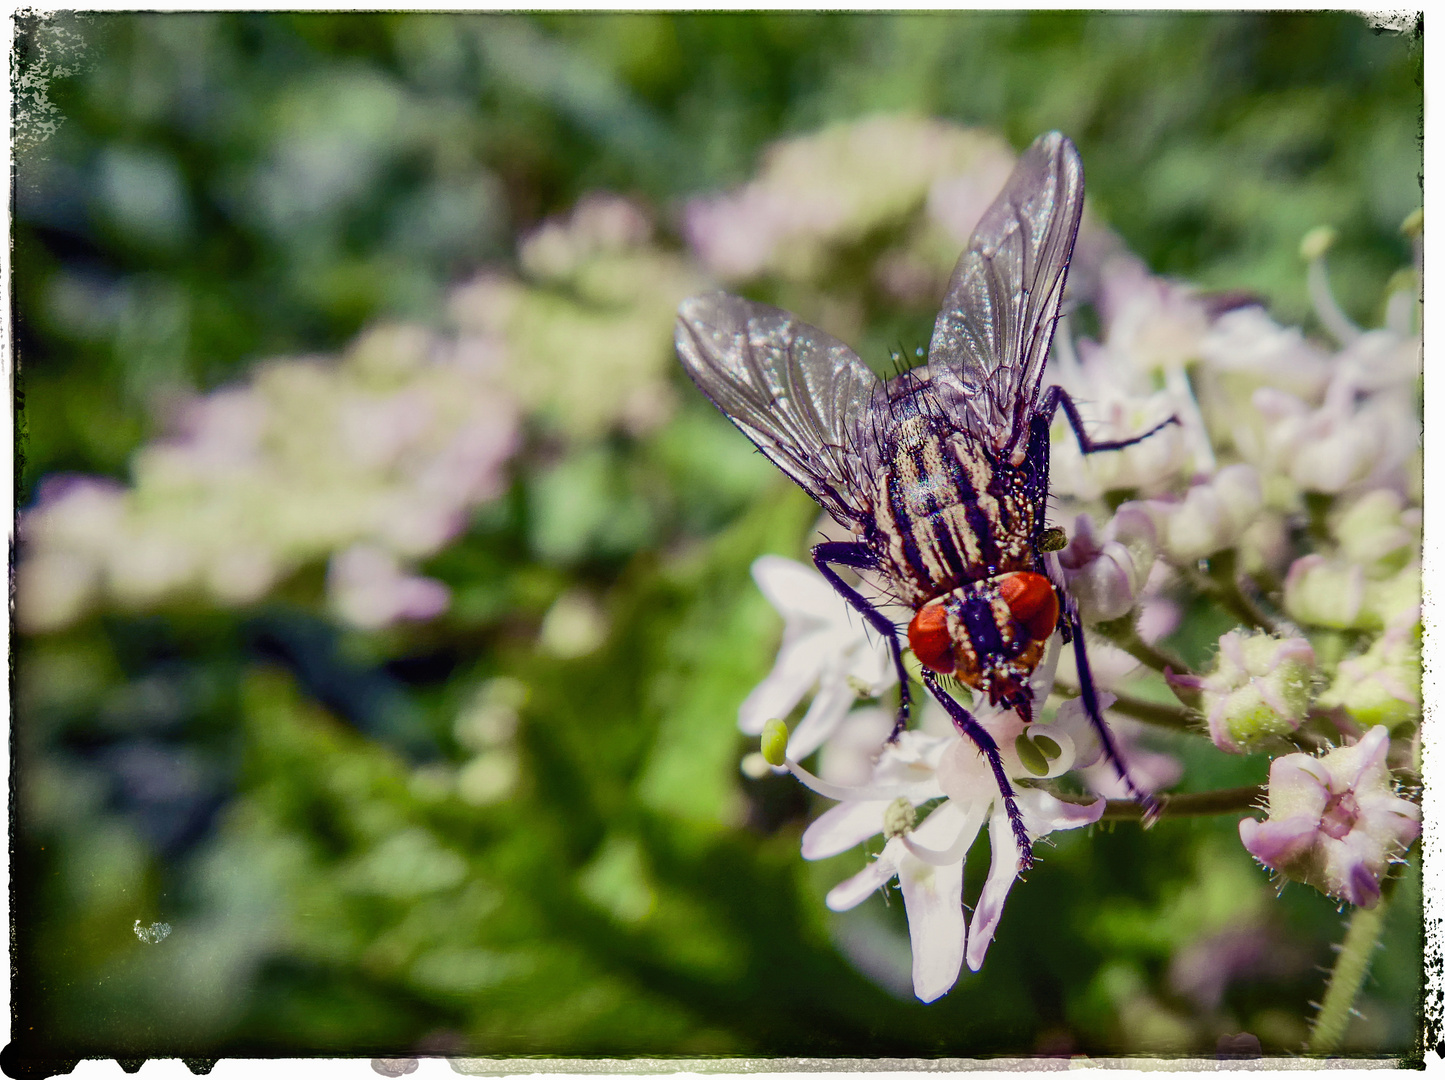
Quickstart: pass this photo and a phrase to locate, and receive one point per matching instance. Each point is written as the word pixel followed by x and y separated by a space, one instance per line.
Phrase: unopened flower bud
pixel 1381 685
pixel 1394 598
pixel 1105 573
pixel 775 742
pixel 1335 822
pixel 1324 593
pixel 1212 516
pixel 1260 688
pixel 1377 528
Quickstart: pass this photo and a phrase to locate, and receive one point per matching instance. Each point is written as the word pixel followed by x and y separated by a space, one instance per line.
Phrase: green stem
pixel 1222 585
pixel 1121 633
pixel 1351 966
pixel 1152 712
pixel 1193 804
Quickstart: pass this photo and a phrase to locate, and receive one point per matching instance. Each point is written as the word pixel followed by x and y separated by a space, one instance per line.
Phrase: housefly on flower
pixel 942 472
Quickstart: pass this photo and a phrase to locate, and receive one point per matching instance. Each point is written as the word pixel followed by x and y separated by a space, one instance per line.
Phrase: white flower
pixel 1247 344
pixel 1116 402
pixel 1342 444
pixel 1155 323
pixel 1211 516
pixel 1335 822
pixel 827 649
pixel 928 861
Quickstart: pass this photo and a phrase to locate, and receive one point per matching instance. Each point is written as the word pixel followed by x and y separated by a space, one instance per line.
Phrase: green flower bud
pixel 1324 593
pixel 1394 598
pixel 1378 531
pixel 1382 685
pixel 1260 688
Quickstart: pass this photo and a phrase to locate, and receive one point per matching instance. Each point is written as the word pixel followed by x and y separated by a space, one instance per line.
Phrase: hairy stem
pixel 1221 585
pixel 1351 966
pixel 1193 804
pixel 1152 712
pixel 1121 633
pixel 1157 713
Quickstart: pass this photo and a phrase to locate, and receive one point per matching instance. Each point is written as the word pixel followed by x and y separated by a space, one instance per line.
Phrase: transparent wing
pixel 993 333
pixel 799 394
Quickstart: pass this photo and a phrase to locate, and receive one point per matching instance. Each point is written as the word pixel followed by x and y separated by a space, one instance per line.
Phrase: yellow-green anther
pixel 859 687
pixel 899 817
pixel 1047 747
pixel 1053 539
pixel 1317 241
pixel 1414 224
pixel 1031 756
pixel 1403 281
pixel 775 742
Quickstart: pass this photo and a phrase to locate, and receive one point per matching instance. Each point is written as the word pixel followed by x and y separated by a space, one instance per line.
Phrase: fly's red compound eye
pixel 928 636
pixel 1033 602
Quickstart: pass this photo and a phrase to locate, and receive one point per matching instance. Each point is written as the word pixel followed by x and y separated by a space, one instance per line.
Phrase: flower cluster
pixel 1285 495
pixel 927 858
pixel 586 334
pixel 372 461
pixel 818 193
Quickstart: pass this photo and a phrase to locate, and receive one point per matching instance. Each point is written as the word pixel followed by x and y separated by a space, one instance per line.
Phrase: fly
pixel 942 472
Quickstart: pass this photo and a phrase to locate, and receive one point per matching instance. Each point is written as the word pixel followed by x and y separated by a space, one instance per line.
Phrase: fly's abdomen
pixel 946 514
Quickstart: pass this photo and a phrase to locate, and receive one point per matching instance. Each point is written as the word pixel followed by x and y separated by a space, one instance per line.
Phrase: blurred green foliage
pixel 213 189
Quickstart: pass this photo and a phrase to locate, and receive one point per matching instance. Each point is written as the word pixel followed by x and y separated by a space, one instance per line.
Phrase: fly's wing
pixel 993 333
pixel 799 394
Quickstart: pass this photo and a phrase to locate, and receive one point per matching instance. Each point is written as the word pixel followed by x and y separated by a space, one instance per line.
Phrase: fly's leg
pixel 860 557
pixel 1056 397
pixel 974 731
pixel 1149 804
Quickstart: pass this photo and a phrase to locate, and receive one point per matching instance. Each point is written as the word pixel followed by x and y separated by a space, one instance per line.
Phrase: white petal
pixel 823 717
pixel 1001 873
pixel 851 893
pixel 871 663
pixel 842 827
pixel 793 675
pixel 797 590
pixel 948 832
pixel 1043 813
pixel 933 896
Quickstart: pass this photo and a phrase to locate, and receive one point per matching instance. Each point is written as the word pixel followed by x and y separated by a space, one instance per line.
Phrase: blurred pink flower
pixel 368 589
pixel 838 185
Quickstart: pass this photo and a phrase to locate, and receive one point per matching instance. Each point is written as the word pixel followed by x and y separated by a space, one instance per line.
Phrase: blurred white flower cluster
pixel 817 193
pixel 587 330
pixel 1286 496
pixel 371 461
pixel 375 460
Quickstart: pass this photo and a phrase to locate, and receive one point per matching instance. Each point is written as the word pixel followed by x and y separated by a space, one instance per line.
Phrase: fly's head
pixel 989 634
